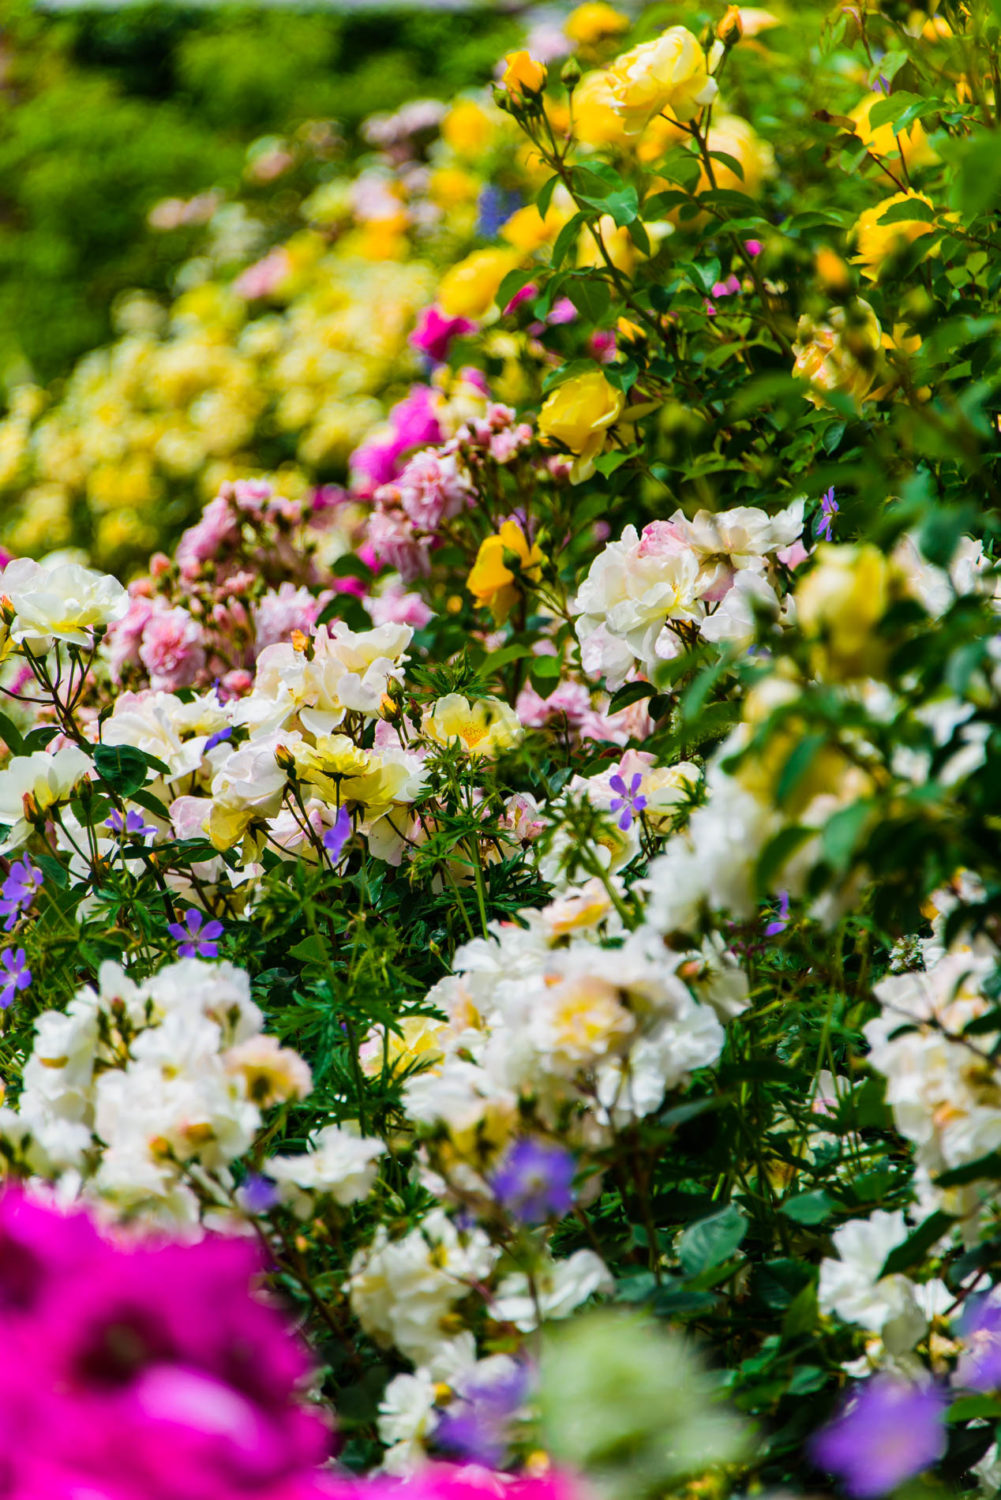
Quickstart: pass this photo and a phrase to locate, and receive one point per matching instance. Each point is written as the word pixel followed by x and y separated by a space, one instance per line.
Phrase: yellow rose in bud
pixel 578 414
pixel 881 141
pixel 468 129
pixel 491 582
pixel 839 604
pixel 523 75
pixel 878 241
pixel 669 74
pixel 469 288
pixel 593 22
pixel 481 728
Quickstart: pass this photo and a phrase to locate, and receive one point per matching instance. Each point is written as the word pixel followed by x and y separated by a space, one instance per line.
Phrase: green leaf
pixel 917 1243
pixel 911 211
pixel 984 1169
pixel 776 854
pixel 631 692
pixel 809 1208
pixel 711 1241
pixel 124 768
pixel 544 199
pixel 566 239
pixel 841 833
pixel 12 736
pixel 797 766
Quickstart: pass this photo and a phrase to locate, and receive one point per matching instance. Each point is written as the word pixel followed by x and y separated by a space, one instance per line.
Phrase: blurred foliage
pixel 104 114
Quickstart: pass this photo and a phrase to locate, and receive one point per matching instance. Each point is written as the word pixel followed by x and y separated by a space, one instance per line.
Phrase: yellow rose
pixel 468 129
pixel 840 355
pixel 596 121
pixel 578 414
pixel 491 582
pixel 480 728
pixel 523 75
pixel 593 22
pixel 912 143
pixel 840 602
pixel 877 241
pixel 469 288
pixel 527 230
pixel 667 74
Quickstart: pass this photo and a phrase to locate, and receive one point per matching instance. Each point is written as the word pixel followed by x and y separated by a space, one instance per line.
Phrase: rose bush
pixel 550 858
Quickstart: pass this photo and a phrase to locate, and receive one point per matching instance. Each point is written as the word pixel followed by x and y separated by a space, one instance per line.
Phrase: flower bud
pixel 731 27
pixel 570 75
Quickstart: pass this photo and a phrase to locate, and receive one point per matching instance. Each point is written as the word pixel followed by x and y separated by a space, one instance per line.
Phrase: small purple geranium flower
pixel 781 916
pixel 19 890
pixel 979 1367
pixel 477 1425
pixel 259 1193
pixel 335 838
pixel 534 1182
pixel 829 508
pixel 887 1432
pixel 196 940
pixel 14 975
pixel 217 739
pixel 629 800
pixel 131 825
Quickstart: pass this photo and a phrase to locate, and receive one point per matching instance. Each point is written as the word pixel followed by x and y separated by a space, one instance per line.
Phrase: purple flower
pixel 131 825
pixel 979 1367
pixel 534 1181
pixel 196 941
pixel 18 891
pixel 782 916
pixel 628 800
pixel 217 739
pixel 259 1193
pixel 829 508
pixel 885 1433
pixel 476 1426
pixel 16 975
pixel 335 838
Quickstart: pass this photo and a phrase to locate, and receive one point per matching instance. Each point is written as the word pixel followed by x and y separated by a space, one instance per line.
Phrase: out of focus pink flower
pixel 435 331
pixel 264 277
pixel 172 650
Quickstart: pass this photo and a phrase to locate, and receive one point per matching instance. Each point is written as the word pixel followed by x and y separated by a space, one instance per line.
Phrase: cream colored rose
pixel 62 602
pixel 669 74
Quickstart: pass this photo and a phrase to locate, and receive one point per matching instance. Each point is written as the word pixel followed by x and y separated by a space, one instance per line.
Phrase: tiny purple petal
pixel 534 1181
pixel 335 838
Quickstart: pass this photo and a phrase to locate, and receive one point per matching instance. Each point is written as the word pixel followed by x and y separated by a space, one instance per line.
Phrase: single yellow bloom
pixel 877 241
pixel 523 75
pixel 480 728
pixel 468 129
pixel 594 21
pixel 469 288
pixel 578 414
pixel 491 582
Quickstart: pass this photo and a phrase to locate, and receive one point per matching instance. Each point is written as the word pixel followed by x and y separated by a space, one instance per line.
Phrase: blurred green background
pixel 104 113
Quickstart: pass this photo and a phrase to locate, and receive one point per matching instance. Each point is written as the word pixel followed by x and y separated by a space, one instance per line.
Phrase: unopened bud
pixel 284 758
pixel 501 98
pixel 299 640
pixel 570 74
pixel 731 27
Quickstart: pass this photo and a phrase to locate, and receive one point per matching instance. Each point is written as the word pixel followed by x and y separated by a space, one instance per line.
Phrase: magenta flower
pixel 886 1432
pixel 435 331
pixel 144 1370
pixel 196 940
pixel 15 975
pixel 629 800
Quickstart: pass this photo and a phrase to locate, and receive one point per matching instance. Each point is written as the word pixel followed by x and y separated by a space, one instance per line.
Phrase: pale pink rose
pixel 395 606
pixel 234 685
pixel 662 538
pixel 125 635
pixel 392 538
pixel 172 651
pixel 188 815
pixel 217 528
pixel 793 556
pixel 281 611
pixel 431 489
